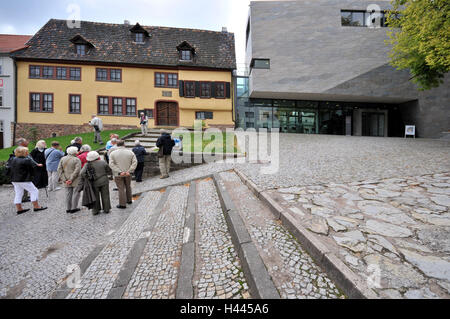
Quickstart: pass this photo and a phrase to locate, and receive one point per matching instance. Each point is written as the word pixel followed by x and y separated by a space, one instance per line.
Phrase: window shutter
pixel 213 89
pixel 181 85
pixel 197 89
pixel 228 90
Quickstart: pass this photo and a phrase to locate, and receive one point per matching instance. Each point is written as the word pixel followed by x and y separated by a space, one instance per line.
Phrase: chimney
pixel 224 30
pixel 126 22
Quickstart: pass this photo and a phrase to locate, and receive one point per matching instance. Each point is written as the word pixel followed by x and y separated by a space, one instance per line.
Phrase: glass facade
pixel 308 117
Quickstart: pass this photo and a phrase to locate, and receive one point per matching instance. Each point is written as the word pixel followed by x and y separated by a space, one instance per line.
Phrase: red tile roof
pixel 12 42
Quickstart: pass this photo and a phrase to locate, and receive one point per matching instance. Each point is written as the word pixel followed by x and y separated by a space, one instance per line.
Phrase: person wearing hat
pixel 69 173
pixel 96 171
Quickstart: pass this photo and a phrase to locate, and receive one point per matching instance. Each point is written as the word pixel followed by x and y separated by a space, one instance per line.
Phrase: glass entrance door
pixel 373 124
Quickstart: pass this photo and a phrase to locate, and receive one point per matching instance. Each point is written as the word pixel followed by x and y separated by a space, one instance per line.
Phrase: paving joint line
pixel 62 291
pixel 129 267
pixel 185 287
pixel 259 281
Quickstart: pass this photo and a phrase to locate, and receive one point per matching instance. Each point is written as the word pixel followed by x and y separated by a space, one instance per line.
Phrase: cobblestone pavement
pixel 99 278
pixel 293 271
pixel 395 229
pixel 36 248
pixel 406 233
pixel 218 269
pixel 317 159
pixel 157 272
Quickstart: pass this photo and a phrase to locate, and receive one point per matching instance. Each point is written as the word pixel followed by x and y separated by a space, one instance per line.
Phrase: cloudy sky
pixel 28 16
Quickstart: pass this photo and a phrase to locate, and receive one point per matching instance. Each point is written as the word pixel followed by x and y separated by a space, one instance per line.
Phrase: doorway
pixel 373 124
pixel 167 114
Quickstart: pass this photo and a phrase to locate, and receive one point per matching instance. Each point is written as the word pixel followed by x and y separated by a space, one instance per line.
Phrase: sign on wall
pixel 1 83
pixel 410 130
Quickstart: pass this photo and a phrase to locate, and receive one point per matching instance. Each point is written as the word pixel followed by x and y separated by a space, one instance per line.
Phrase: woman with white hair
pixel 21 170
pixel 40 179
pixel 97 172
pixel 69 169
pixel 84 150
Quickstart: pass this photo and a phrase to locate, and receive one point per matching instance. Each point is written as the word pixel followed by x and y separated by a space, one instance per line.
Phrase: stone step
pixel 144 144
pixel 99 279
pixel 290 268
pixel 142 139
pixel 218 272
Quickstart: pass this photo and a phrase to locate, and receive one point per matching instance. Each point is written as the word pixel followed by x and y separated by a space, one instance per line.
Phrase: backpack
pixel 9 164
pixel 90 172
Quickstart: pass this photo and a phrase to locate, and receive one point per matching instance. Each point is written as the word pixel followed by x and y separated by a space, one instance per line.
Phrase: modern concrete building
pixel 322 67
pixel 8 44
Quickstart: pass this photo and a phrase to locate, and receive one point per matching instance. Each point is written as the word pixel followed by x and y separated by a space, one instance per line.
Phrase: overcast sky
pixel 28 16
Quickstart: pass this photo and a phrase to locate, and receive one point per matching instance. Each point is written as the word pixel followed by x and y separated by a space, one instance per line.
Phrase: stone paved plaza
pixel 382 201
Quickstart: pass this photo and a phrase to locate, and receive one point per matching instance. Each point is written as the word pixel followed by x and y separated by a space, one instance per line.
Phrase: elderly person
pixel 97 171
pixel 69 172
pixel 40 179
pixel 77 142
pixel 123 163
pixel 140 153
pixel 144 123
pixel 82 155
pixel 53 156
pixel 97 124
pixel 22 169
pixel 110 144
pixel 165 142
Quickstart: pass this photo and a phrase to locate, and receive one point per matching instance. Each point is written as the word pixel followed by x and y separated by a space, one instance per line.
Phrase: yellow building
pixel 117 71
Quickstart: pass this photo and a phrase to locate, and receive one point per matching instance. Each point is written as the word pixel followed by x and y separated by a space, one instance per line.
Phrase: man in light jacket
pixel 97 124
pixel 69 169
pixel 123 163
pixel 144 123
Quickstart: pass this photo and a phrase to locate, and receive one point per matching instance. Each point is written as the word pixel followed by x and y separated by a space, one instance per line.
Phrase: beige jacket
pixel 122 160
pixel 69 169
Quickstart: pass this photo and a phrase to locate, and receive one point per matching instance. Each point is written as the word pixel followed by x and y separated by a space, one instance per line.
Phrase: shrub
pixel 4 179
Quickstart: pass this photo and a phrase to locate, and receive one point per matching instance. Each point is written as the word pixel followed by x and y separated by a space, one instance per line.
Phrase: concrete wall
pixel 313 57
pixel 430 112
pixel 7 91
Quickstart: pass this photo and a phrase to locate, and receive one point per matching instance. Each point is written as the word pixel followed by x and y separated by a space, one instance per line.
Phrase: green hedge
pixel 4 179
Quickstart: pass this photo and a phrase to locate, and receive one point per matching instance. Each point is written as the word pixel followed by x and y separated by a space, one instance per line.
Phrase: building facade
pixel 8 44
pixel 175 75
pixel 321 67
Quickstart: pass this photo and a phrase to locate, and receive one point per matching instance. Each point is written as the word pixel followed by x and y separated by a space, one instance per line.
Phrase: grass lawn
pixel 88 138
pixel 210 142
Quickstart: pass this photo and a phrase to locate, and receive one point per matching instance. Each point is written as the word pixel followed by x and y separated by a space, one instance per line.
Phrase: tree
pixel 420 37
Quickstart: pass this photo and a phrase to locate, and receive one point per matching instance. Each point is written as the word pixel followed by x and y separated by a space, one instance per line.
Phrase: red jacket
pixel 83 158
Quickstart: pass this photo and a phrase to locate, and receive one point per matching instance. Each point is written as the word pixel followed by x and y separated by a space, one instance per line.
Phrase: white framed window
pixel 1 127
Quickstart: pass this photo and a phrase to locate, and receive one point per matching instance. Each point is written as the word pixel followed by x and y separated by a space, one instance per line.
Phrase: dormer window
pixel 139 38
pixel 186 55
pixel 186 51
pixel 139 33
pixel 81 49
pixel 82 46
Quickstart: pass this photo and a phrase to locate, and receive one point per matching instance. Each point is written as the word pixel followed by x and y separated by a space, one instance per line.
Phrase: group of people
pixel 81 172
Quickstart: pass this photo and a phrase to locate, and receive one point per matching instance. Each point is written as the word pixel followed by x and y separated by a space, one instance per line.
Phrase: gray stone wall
pixel 313 57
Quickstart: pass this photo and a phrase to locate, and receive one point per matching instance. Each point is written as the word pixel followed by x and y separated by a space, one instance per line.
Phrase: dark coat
pixel 166 141
pixel 22 169
pixel 73 145
pixel 40 179
pixel 140 153
pixel 89 198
